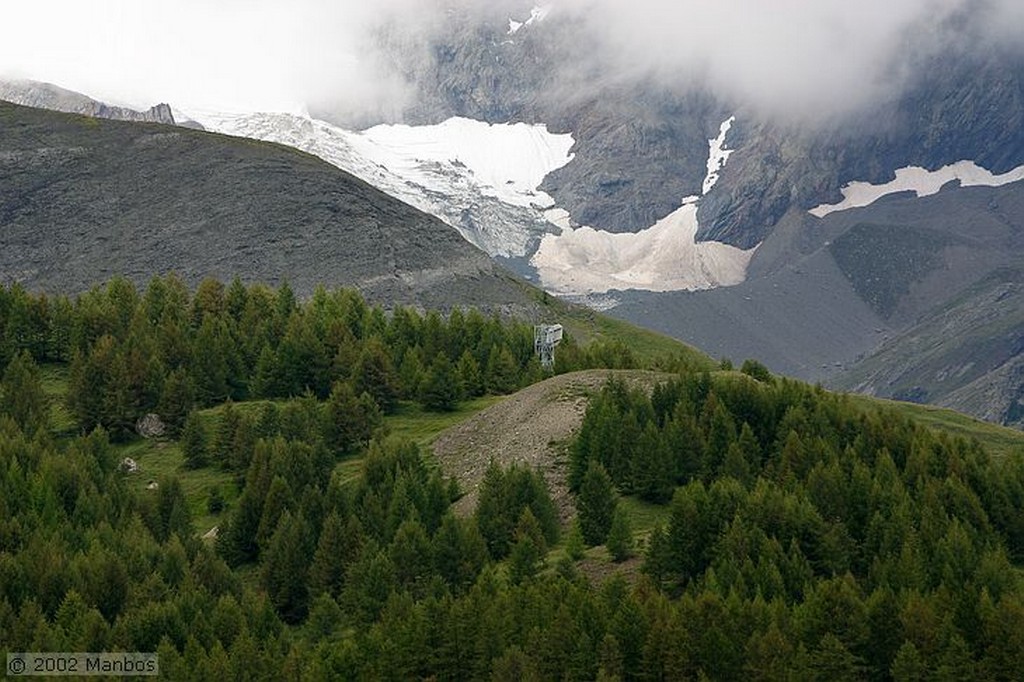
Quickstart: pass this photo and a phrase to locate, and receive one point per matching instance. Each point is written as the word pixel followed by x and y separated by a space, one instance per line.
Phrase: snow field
pixel 920 181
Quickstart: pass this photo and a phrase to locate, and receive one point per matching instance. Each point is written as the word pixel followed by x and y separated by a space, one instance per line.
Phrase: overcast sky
pixel 278 55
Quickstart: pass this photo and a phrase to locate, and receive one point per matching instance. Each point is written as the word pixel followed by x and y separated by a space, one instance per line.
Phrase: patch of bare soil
pixel 532 427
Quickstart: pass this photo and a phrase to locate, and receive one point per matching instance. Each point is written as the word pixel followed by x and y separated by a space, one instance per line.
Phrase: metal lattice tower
pixel 545 338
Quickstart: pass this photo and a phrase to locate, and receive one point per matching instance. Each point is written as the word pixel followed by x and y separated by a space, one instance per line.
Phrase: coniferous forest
pixel 798 534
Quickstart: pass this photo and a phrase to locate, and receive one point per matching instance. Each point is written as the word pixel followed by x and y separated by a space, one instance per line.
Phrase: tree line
pixel 167 350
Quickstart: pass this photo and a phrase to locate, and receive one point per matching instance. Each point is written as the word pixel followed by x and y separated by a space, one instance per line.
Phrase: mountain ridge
pixel 89 198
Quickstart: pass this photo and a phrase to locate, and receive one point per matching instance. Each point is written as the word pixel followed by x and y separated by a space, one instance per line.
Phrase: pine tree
pixel 236 299
pixel 87 383
pixel 215 501
pixel 224 438
pixel 909 666
pixel 492 511
pixel 194 441
pixel 177 398
pixel 374 375
pixel 440 387
pixel 118 411
pixel 325 616
pixel 411 372
pixel 470 378
pixel 459 551
pixel 337 548
pixel 620 535
pixel 411 554
pixel 237 540
pixel 349 422
pixel 653 477
pixel 528 549
pixel 502 371
pixel 595 504
pixel 22 396
pixel 278 500
pixel 285 566
pixel 302 359
pixel 210 364
pixel 735 465
pixel 574 545
pixel 172 515
pixel 268 381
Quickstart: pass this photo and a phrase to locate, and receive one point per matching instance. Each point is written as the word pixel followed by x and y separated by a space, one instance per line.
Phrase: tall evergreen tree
pixel 338 546
pixel 528 548
pixel 22 396
pixel 440 387
pixel 595 504
pixel 177 398
pixel 375 375
pixel 349 422
pixel 502 371
pixel 470 378
pixel 620 535
pixel 194 441
pixel 285 568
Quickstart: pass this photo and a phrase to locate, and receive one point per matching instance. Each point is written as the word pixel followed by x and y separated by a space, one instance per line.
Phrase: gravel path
pixel 531 427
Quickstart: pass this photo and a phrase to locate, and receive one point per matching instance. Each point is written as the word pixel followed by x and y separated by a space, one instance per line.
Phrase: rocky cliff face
pixel 639 148
pixel 48 96
pixel 961 109
pixel 847 298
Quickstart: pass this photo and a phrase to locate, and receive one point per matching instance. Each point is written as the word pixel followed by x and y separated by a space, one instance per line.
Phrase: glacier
pixel 484 180
pixel 920 181
pixel 480 178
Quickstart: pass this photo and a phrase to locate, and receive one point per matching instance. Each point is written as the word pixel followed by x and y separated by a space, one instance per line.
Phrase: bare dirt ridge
pixel 531 428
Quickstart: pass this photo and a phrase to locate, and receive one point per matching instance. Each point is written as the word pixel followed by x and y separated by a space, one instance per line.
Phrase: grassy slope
pixel 998 440
pixel 164 458
pixel 587 326
pixel 158 458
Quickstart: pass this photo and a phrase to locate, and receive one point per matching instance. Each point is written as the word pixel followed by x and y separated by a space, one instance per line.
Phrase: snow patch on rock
pixel 718 155
pixel 920 181
pixel 536 14
pixel 483 179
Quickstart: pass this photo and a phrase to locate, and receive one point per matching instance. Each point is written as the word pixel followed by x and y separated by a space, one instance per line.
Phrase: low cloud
pixel 237 55
pixel 793 57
